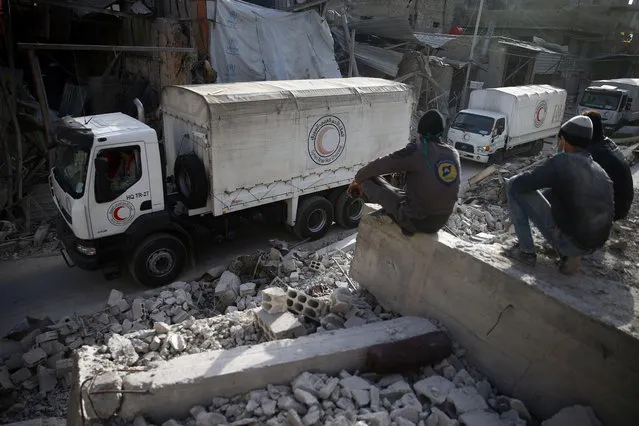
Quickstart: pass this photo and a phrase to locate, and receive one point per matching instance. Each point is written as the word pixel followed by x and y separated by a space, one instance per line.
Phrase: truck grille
pixel 460 146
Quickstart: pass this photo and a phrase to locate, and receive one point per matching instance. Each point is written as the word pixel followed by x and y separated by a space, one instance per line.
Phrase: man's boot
pixel 569 265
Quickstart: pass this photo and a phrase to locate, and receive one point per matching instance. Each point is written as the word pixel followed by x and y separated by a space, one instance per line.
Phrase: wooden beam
pixel 75 6
pixel 105 48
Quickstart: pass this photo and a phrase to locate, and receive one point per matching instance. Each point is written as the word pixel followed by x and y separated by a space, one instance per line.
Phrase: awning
pixel 527 46
pixel 433 40
pixel 384 60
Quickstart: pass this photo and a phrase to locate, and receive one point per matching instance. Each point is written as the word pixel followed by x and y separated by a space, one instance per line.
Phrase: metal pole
pixel 464 99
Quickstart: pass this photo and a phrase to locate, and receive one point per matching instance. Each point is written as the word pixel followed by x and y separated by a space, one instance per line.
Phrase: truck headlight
pixel 85 250
pixel 487 148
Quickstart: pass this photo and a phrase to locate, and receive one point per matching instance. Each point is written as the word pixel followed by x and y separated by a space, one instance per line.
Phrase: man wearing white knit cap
pixel 569 198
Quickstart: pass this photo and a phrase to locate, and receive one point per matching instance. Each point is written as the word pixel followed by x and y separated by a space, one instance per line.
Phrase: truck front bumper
pixel 69 249
pixel 474 157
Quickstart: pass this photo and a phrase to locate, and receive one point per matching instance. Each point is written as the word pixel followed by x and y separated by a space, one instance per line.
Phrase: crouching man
pixel 569 198
pixel 432 180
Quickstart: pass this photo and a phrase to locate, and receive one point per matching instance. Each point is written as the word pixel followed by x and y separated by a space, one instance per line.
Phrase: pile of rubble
pixel 444 395
pixel 15 244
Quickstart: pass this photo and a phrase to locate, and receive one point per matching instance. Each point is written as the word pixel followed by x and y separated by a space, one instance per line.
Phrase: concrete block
pixel 274 300
pixel 524 328
pixel 20 375
pixel 28 341
pixel 34 357
pixel 279 326
pixel 216 272
pixel 138 309
pixel 190 380
pixel 104 401
pixel 46 337
pixel 303 304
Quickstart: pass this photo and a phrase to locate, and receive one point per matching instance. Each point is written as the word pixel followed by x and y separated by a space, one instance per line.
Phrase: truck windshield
pixel 70 170
pixel 601 100
pixel 473 123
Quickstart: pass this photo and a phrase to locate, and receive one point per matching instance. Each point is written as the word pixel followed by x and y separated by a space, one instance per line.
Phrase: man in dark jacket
pixel 575 210
pixel 432 180
pixel 606 153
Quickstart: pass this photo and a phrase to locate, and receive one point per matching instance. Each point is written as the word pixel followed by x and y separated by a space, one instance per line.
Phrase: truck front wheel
pixel 314 217
pixel 158 260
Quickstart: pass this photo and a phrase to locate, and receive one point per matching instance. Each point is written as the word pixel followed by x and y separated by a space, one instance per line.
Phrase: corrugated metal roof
pixel 547 63
pixel 384 60
pixel 433 40
pixel 527 46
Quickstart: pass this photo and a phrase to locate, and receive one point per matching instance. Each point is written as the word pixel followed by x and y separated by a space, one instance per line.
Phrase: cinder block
pixel 279 326
pixel 274 300
pixel 303 304
pixel 34 357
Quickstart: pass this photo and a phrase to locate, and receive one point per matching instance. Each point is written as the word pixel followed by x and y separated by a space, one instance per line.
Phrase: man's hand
pixel 354 190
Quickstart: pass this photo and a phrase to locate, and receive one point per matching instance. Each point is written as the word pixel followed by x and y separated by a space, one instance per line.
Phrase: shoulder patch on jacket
pixel 446 171
pixel 407 151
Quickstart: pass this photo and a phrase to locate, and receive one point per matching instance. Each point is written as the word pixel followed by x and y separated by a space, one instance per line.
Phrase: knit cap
pixel 431 123
pixel 577 131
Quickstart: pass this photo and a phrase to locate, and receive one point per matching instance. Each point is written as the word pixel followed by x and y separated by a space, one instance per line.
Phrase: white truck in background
pixel 129 200
pixel 616 100
pixel 507 120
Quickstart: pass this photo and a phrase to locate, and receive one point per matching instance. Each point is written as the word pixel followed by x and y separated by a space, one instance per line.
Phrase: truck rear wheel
pixel 348 211
pixel 191 180
pixel 158 260
pixel 537 147
pixel 314 217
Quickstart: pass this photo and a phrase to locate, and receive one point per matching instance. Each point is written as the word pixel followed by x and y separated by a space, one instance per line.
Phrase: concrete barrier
pixel 171 389
pixel 549 340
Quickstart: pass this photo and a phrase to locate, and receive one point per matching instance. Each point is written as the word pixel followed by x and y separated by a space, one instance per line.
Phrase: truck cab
pixel 478 135
pixel 102 181
pixel 609 101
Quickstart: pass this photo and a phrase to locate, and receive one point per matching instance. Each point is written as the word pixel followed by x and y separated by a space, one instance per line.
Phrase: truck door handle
pixel 146 205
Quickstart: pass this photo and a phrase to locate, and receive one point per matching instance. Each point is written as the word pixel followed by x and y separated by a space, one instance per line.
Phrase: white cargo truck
pixel 616 100
pixel 129 200
pixel 507 120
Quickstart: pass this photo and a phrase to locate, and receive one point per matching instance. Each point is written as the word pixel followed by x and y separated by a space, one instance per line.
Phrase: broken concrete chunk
pixel 106 404
pixel 354 383
pixel 228 288
pixel 47 379
pixel 381 418
pixel 177 342
pixel 305 397
pixel 577 415
pixel 122 350
pixel 361 397
pixel 466 399
pixel 247 289
pixel 269 407
pixel 161 328
pixel 294 418
pixel 210 419
pixel 34 357
pixel 313 416
pixel 46 337
pixel 20 375
pixel 138 310
pixel 439 418
pixel 216 272
pixel 63 366
pixel 114 298
pixel 330 386
pixel 5 379
pixel 482 418
pixel 521 410
pixel 435 388
pixel 395 391
pixel 354 321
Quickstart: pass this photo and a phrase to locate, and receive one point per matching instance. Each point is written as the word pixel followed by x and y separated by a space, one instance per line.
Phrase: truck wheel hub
pixel 160 262
pixel 316 220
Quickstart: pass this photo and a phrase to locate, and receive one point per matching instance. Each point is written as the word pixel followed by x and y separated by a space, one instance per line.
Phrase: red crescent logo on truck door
pixel 121 213
pixel 540 113
pixel 326 140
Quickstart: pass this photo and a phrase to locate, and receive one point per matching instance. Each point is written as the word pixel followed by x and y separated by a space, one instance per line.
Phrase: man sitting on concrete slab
pixel 432 180
pixel 569 198
pixel 606 153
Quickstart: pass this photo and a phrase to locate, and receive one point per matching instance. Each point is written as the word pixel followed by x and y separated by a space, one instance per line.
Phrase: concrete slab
pixel 549 340
pixel 171 389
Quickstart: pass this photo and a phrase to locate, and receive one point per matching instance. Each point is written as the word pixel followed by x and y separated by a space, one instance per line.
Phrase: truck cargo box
pixel 268 141
pixel 533 112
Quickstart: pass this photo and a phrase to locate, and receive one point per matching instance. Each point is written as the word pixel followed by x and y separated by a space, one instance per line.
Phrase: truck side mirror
pixel 629 104
pixel 102 184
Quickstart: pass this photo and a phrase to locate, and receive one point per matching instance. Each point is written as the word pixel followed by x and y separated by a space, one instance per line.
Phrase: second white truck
pixel 507 120
pixel 129 200
pixel 616 100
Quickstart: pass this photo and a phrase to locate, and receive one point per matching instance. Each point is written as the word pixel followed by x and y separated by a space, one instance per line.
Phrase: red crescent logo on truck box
pixel 540 113
pixel 326 140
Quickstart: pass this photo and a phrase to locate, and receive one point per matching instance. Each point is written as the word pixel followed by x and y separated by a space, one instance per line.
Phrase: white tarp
pixel 253 43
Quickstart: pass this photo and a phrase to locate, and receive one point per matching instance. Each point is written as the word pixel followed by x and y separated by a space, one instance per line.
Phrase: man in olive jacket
pixel 432 180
